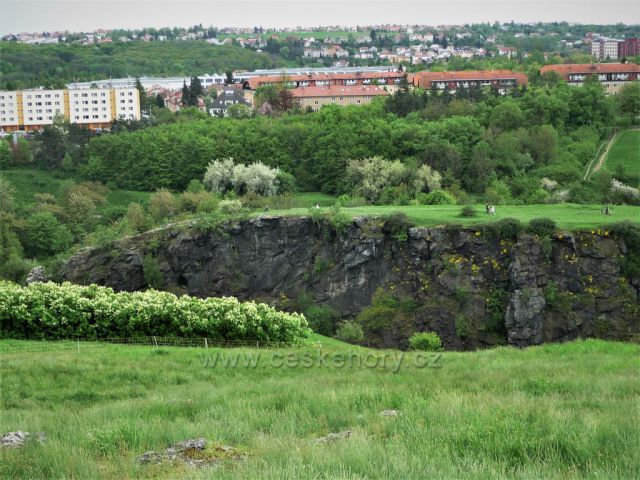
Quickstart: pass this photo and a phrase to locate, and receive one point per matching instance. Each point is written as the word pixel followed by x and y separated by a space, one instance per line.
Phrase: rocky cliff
pixel 474 289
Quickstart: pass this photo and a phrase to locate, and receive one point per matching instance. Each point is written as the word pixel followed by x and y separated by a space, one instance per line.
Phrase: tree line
pixel 549 131
pixel 27 66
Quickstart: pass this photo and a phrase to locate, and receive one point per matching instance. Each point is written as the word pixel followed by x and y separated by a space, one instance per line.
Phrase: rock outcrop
pixel 472 289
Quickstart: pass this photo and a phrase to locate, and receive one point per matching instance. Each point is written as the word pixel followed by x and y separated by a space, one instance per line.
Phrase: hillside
pixel 25 66
pixel 556 411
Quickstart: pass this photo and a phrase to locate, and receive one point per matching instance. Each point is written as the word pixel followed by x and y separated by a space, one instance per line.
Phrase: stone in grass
pixel 193 453
pixel 18 439
pixel 389 413
pixel 332 437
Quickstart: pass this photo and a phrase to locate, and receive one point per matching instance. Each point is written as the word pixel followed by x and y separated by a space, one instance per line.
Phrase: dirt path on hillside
pixel 605 152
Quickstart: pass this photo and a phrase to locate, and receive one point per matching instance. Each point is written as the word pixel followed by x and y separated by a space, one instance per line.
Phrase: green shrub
pixel 35 312
pixel 542 227
pixel 437 197
pixel 339 220
pixel 152 274
pixel 321 319
pixel 505 229
pixel 462 326
pixel 468 211
pixel 136 218
pixel 386 309
pixel 195 186
pixel 286 183
pixel 230 207
pixel 425 341
pixel 210 223
pixel 350 332
pixel 397 224
pixel 162 204
pixel 44 235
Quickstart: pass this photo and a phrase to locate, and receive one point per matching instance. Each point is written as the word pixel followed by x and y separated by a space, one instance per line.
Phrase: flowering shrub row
pixel 58 311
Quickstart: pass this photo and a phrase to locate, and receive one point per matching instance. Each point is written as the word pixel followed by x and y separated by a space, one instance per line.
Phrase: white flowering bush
pixel 224 176
pixel 548 184
pixel 230 207
pixel 219 176
pixel 59 311
pixel 622 193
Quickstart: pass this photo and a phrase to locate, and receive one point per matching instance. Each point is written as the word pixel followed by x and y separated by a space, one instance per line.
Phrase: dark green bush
pixel 322 319
pixel 397 224
pixel 542 227
pixel 437 197
pixel 350 332
pixel 152 273
pixel 468 211
pixel 505 229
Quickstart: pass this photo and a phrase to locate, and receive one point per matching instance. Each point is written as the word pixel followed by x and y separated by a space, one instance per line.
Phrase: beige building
pixel 317 97
pixel 92 107
pixel 612 76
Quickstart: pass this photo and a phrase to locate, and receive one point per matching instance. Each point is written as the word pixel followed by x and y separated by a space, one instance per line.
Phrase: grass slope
pixel 625 151
pixel 28 182
pixel 555 411
pixel 568 216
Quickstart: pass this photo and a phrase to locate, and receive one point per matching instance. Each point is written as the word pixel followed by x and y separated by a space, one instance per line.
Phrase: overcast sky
pixel 85 15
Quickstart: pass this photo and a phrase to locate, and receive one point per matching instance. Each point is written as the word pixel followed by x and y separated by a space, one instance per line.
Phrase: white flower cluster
pixel 625 191
pixel 56 311
pixel 548 184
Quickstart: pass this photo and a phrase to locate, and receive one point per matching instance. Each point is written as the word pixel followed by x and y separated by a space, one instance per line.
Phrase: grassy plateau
pixel 567 216
pixel 554 411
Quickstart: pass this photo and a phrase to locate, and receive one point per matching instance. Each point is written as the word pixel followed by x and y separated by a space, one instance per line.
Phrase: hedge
pixel 67 311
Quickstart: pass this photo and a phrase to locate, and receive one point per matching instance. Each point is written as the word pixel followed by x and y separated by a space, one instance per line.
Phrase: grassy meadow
pixel 554 411
pixel 625 151
pixel 28 182
pixel 567 216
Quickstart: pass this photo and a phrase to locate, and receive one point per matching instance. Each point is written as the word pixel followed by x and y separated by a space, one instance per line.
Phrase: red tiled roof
pixel 424 79
pixel 338 91
pixel 255 82
pixel 590 68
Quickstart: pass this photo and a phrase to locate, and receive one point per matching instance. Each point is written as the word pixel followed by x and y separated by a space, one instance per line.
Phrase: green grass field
pixel 625 151
pixel 555 411
pixel 567 216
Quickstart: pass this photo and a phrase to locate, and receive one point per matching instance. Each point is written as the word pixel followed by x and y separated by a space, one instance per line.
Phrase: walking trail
pixel 601 155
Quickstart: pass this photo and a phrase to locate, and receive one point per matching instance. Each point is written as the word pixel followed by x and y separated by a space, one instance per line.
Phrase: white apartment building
pixel 605 48
pixel 9 110
pixel 93 107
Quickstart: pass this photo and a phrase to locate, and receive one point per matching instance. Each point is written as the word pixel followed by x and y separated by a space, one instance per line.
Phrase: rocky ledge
pixel 471 288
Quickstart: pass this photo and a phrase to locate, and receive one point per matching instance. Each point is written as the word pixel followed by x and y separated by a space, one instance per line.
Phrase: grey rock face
pixel 472 290
pixel 37 274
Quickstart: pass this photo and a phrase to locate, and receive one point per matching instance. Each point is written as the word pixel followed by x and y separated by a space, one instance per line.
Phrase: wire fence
pixel 86 344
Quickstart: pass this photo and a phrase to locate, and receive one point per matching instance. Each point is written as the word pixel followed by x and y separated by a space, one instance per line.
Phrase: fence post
pixel 206 344
pixel 78 345
pixel 155 342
